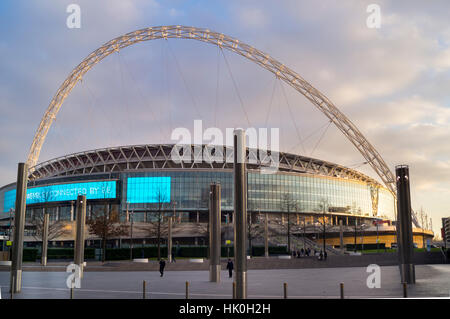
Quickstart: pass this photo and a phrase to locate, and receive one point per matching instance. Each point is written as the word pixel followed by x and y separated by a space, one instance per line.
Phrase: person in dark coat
pixel 162 264
pixel 230 267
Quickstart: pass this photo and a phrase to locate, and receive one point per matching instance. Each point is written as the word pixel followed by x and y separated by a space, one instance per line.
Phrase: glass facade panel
pixel 188 191
pixel 62 192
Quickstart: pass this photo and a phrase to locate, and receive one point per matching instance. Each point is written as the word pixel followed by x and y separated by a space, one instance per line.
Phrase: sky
pixel 392 82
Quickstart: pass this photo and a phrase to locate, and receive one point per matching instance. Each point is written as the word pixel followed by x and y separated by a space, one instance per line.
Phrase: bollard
pixel 285 290
pixel 342 290
pixel 144 284
pixel 71 293
pixel 234 290
pixel 187 290
pixel 405 290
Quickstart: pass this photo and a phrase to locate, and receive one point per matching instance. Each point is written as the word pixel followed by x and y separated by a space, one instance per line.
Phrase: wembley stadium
pixel 302 200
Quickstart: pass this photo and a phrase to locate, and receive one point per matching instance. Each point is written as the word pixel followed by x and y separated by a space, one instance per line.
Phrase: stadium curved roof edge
pixel 158 156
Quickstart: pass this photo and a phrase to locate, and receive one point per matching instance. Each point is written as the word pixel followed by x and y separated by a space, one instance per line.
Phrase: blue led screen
pixel 148 189
pixel 62 192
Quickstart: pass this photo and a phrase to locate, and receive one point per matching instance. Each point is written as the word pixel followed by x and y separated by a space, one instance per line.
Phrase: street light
pixel 130 217
pixel 377 221
pixel 11 210
pixel 10 223
pixel 174 210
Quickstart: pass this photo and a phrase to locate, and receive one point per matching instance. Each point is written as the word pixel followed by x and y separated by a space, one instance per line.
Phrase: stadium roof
pixel 158 156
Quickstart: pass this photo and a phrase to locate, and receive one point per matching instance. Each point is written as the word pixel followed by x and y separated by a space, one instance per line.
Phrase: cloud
pixel 174 13
pixel 252 17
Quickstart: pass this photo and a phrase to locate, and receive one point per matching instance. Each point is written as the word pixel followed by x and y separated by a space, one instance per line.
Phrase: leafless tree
pixel 359 227
pixel 323 209
pixel 56 228
pixel 289 204
pixel 105 226
pixel 156 223
pixel 254 230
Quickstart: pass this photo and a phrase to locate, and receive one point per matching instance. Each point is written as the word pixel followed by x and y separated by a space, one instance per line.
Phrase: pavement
pixel 431 281
pixel 184 264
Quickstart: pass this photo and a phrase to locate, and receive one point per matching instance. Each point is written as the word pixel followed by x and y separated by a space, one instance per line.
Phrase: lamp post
pixel 174 210
pixel 304 232
pixel 377 222
pixel 10 232
pixel 362 237
pixel 131 214
pixel 240 217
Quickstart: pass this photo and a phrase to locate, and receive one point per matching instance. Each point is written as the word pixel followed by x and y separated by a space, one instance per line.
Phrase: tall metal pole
pixel 214 232
pixel 10 234
pixel 79 240
pixel 304 233
pixel 45 238
pixel 169 240
pixel 377 237
pixel 240 208
pixel 266 235
pixel 19 225
pixel 131 235
pixel 404 226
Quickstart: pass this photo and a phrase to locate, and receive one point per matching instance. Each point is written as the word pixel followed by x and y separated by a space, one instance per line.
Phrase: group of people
pixel 322 255
pixel 162 265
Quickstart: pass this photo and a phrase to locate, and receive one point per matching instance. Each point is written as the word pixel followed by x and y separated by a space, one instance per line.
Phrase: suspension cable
pixel 271 101
pixel 320 139
pixel 292 117
pixel 310 135
pixel 217 87
pixel 105 114
pixel 137 86
pixel 194 103
pixel 124 97
pixel 235 87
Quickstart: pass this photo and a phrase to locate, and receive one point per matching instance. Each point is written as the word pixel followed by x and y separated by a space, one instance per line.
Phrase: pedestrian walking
pixel 230 267
pixel 162 264
pixel 325 255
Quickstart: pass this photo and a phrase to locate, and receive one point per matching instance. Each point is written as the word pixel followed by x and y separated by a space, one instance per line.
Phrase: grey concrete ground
pixel 432 281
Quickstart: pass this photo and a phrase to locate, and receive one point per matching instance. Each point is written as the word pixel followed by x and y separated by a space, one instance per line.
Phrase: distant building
pixel 446 231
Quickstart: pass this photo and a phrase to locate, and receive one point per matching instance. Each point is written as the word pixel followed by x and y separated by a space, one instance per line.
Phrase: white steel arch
pixel 352 133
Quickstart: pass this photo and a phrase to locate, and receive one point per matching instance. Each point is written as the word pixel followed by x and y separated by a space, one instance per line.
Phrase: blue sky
pixel 392 82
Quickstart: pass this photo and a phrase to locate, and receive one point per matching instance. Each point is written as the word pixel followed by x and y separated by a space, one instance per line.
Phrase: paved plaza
pixel 432 281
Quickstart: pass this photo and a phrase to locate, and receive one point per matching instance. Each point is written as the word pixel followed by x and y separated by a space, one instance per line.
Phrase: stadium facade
pixel 139 180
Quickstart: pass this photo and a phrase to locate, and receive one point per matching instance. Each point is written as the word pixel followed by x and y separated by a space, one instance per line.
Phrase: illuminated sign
pixel 62 192
pixel 148 190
